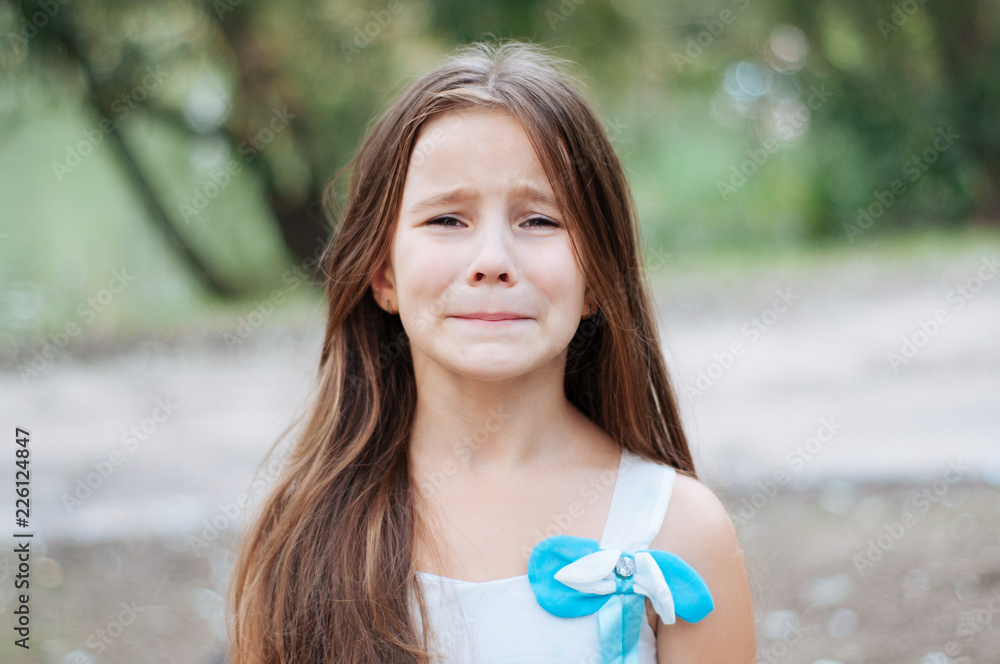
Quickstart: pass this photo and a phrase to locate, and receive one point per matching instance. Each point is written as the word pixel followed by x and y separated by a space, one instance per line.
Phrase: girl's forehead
pixel 475 133
pixel 469 114
pixel 479 149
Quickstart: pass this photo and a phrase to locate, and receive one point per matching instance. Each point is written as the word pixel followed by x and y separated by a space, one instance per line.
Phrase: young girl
pixel 486 471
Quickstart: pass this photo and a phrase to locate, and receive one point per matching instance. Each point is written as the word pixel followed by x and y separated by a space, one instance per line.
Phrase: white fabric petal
pixel 593 573
pixel 648 580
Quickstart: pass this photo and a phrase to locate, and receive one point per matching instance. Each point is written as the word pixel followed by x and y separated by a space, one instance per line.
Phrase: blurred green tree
pixel 850 95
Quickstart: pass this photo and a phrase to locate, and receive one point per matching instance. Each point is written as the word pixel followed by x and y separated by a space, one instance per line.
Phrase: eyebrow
pixel 464 193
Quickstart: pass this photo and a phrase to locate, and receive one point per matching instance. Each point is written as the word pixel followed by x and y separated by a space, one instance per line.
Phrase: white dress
pixel 500 621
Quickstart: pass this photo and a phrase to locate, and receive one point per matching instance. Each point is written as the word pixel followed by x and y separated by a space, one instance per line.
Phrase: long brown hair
pixel 324 573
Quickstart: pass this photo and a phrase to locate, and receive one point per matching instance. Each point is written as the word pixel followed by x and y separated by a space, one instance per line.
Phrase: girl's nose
pixel 493 254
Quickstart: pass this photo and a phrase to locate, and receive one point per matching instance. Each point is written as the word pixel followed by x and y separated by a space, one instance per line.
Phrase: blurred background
pixel 819 191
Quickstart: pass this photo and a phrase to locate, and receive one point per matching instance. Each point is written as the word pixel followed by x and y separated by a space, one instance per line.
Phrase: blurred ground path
pixel 817 369
pixel 853 371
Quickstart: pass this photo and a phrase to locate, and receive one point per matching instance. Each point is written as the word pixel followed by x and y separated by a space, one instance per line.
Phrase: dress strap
pixel 638 503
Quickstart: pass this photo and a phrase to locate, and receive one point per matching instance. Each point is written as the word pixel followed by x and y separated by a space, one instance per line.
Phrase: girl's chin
pixel 492 367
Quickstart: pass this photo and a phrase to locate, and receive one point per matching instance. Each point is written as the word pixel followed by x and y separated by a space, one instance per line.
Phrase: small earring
pixel 387 306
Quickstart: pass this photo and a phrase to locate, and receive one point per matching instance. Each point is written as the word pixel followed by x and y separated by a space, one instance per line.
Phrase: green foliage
pixel 742 122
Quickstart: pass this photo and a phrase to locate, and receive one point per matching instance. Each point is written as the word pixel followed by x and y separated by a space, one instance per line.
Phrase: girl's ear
pixel 384 287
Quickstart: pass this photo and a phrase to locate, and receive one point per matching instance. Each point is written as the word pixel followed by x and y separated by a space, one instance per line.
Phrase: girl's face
pixel 479 233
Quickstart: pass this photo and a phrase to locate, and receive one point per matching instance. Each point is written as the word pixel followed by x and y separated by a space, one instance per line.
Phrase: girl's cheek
pixel 431 282
pixel 555 271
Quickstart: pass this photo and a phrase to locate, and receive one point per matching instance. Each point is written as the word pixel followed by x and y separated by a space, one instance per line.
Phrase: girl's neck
pixel 475 427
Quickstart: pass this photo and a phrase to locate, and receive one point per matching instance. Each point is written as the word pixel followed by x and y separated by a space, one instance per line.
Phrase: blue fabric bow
pixel 572 577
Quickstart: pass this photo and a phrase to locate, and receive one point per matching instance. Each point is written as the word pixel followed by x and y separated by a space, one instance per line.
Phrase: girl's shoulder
pixel 696 523
pixel 697 527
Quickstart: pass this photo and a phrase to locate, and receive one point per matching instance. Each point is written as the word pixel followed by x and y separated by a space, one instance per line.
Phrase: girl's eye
pixel 545 221
pixel 441 221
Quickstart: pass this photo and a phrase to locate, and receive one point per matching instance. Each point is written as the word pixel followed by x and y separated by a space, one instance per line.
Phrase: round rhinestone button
pixel 625 567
